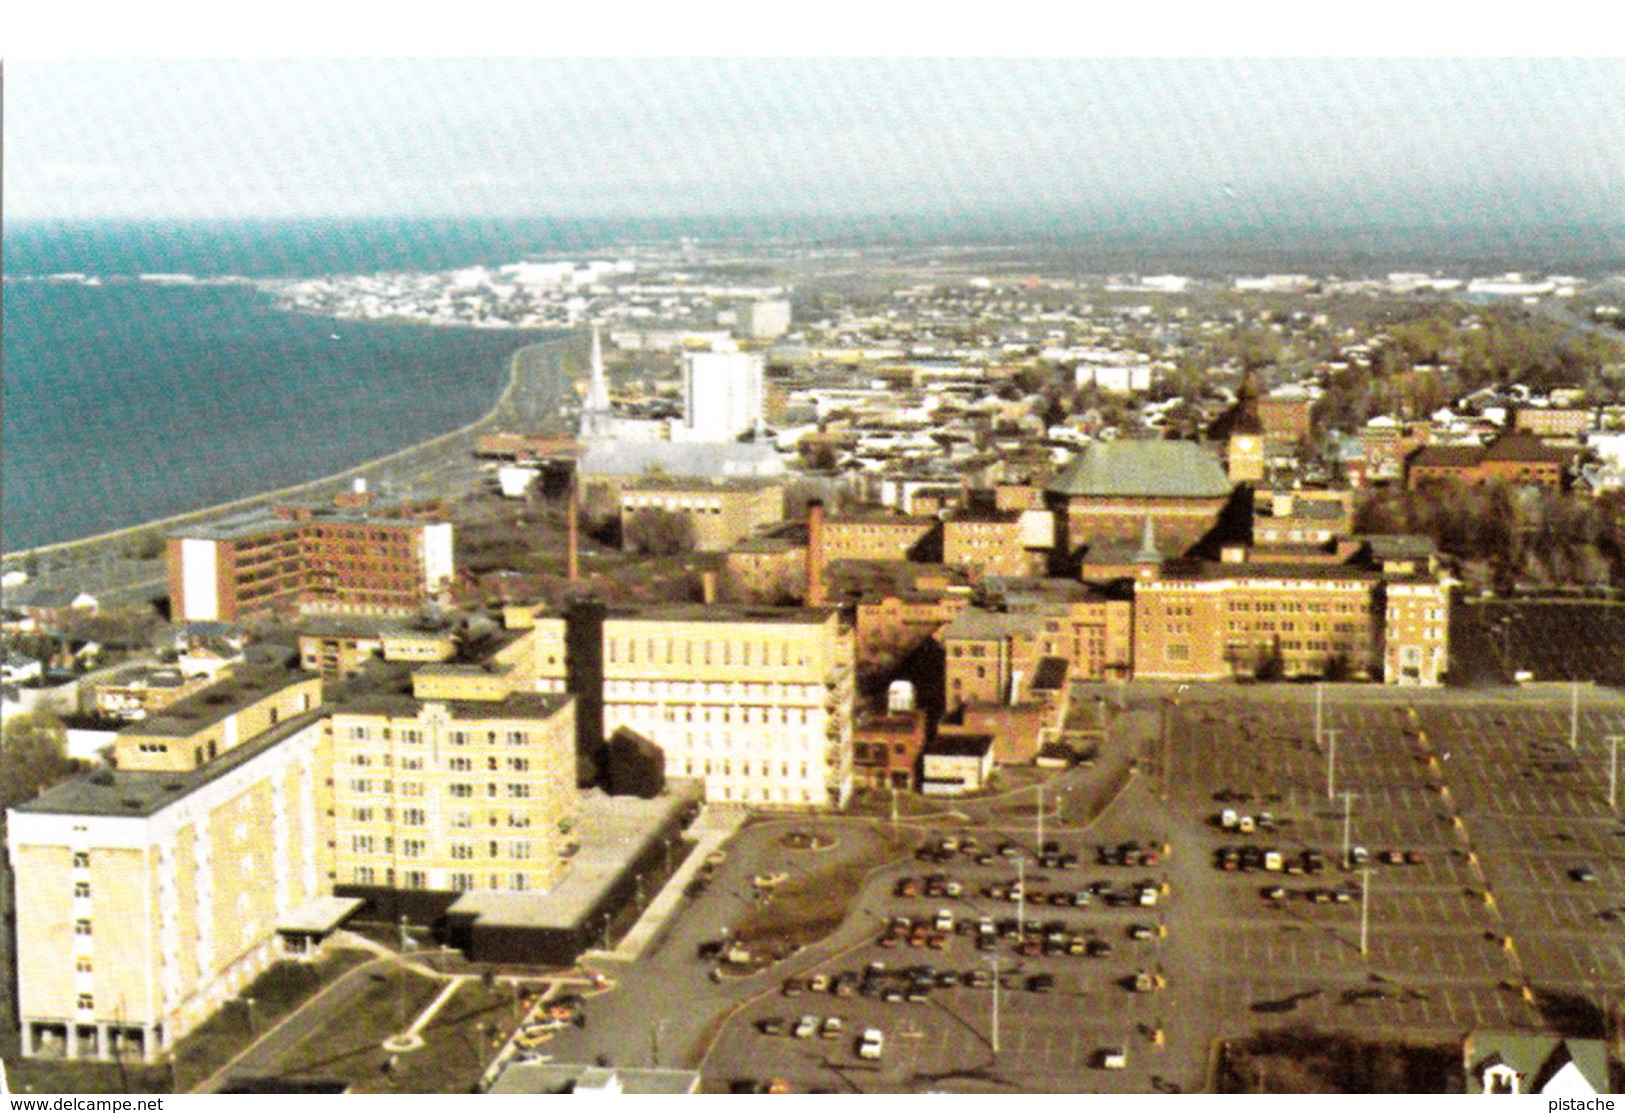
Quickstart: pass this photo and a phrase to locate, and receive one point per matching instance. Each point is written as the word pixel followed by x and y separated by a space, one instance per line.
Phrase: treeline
pixel 1535 538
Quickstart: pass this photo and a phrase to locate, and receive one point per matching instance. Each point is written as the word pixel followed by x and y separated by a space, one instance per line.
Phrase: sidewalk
pixel 714 827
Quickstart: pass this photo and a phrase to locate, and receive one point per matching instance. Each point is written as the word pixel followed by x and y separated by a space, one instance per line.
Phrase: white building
pixel 757 703
pixel 722 395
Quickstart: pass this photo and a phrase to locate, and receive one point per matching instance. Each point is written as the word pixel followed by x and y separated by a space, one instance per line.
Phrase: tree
pixel 33 756
pixel 659 532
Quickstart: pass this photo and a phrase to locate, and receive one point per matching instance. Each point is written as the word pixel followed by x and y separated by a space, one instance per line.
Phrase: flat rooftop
pixel 613 831
pixel 243 688
pixel 720 612
pixel 141 793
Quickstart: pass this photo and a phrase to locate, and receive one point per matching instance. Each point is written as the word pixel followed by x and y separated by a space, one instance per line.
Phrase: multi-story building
pixel 893 618
pixel 880 535
pixel 715 515
pixel 722 395
pixel 1556 422
pixel 886 749
pixel 1209 621
pixel 1519 459
pixel 452 794
pixel 755 702
pixel 1293 518
pixel 1090 629
pixel 149 894
pixel 294 559
pixel 1416 631
pixel 1113 487
pixel 770 567
pixel 991 544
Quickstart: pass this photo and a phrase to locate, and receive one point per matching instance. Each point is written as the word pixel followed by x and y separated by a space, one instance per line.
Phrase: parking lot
pixel 1491 880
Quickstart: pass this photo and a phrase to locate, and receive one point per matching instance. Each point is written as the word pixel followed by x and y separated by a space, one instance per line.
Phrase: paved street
pixel 1484 926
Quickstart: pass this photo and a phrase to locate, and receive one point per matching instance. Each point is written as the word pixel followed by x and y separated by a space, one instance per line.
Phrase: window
pixel 86 1001
pixel 462 791
pixel 462 882
pixel 519 764
pixel 461 765
pixel 515 819
pixel 81 927
pixel 84 965
pixel 417 879
pixel 361 844
pixel 361 785
pixel 459 738
pixel 521 882
pixel 412 817
pixel 461 851
pixel 361 815
pixel 462 820
pixel 412 848
pixel 518 791
pixel 518 738
pixel 519 848
pixel 81 860
pixel 81 889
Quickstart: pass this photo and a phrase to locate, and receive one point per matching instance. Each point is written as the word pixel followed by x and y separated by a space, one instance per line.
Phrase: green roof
pixel 1143 469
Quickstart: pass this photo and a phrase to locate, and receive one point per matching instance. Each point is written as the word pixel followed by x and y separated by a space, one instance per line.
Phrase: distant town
pixel 855 669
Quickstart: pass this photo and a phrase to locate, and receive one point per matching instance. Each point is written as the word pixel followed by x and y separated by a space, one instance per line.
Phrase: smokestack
pixel 573 535
pixel 815 595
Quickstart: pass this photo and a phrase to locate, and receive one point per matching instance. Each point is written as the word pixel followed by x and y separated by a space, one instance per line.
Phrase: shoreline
pixel 550 351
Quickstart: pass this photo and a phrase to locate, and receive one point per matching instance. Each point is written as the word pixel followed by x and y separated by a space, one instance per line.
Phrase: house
pixel 19 668
pixel 1534 1063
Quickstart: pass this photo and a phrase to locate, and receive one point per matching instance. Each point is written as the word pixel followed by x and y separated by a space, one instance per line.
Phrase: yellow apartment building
pixel 718 514
pixel 453 785
pixel 148 895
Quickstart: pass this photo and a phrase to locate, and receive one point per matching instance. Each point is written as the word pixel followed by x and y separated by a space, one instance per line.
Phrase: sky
pixel 1203 140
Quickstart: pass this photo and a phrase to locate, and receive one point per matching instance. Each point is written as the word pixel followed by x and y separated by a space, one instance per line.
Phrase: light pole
pixel 1613 770
pixel 1347 799
pixel 1318 698
pixel 1331 764
pixel 1039 845
pixel 1365 904
pixel 993 964
pixel 1021 905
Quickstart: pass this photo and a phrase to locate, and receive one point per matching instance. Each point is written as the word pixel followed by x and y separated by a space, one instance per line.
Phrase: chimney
pixel 572 535
pixel 815 594
pixel 708 586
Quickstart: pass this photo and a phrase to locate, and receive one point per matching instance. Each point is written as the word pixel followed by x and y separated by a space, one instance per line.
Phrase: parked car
pixel 1583 874
pixel 772 1025
pixel 832 1027
pixel 805 1027
pixel 872 1044
pixel 1113 1058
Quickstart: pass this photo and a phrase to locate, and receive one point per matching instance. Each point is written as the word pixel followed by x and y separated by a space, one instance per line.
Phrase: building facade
pixel 716 515
pixel 755 702
pixel 340 561
pixel 453 794
pixel 147 897
pixel 722 395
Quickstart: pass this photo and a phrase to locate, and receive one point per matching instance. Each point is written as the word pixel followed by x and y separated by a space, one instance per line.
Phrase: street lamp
pixel 993 965
pixel 1347 799
pixel 1365 902
pixel 1613 770
pixel 1331 764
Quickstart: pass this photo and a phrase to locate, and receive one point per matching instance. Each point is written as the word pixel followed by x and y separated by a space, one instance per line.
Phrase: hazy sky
pixel 1171 140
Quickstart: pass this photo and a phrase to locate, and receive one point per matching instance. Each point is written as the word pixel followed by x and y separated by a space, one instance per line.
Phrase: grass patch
pixel 809 906
pixel 276 993
pixel 349 1047
pixel 1301 1060
pixel 207 1048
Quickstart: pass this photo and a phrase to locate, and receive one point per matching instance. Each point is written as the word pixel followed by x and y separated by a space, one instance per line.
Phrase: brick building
pixel 717 514
pixel 1113 487
pixel 1518 459
pixel 370 560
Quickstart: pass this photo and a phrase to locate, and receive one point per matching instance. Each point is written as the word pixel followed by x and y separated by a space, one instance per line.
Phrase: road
pixel 540 388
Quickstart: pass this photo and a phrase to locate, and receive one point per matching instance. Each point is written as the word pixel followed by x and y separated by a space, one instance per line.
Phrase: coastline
pixel 526 368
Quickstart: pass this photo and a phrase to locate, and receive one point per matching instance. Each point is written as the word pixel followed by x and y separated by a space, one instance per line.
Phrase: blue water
pixel 133 401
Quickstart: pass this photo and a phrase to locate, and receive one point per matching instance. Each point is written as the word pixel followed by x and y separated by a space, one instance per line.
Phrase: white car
pixel 1114 1058
pixel 805 1027
pixel 872 1044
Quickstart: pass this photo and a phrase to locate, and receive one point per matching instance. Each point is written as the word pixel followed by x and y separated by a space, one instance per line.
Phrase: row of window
pixel 706 767
pixel 710 652
pixel 419 879
pixel 725 713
